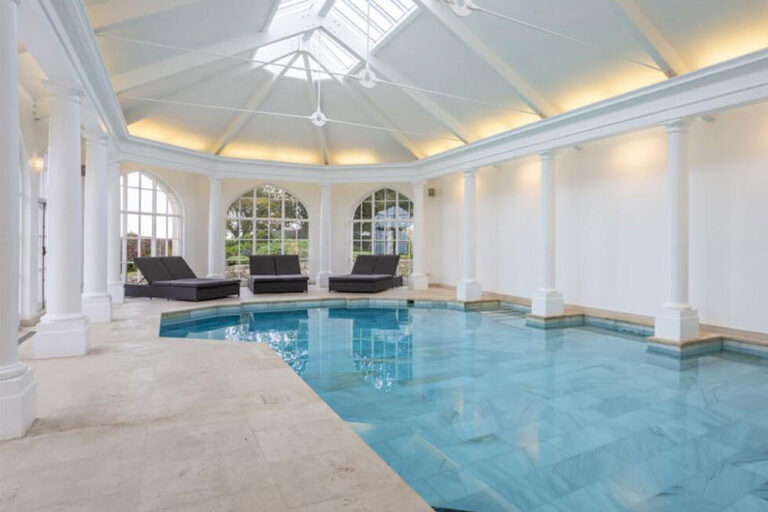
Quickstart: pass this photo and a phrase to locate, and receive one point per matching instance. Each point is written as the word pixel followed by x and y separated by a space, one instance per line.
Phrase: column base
pixel 98 308
pixel 677 325
pixel 215 276
pixel 117 292
pixel 62 337
pixel 17 401
pixel 419 282
pixel 547 303
pixel 469 290
pixel 322 278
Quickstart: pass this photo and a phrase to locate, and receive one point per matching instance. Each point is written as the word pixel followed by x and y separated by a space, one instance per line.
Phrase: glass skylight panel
pixel 385 15
pixel 288 7
pixel 322 48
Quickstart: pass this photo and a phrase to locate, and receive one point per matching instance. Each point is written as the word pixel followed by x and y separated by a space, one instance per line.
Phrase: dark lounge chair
pixel 276 274
pixel 170 277
pixel 370 274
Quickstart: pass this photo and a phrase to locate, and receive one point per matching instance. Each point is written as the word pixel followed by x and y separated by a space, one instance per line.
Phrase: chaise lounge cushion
pixel 262 265
pixel 280 278
pixel 178 267
pixel 362 277
pixel 386 265
pixel 364 264
pixel 287 265
pixel 197 282
pixel 153 269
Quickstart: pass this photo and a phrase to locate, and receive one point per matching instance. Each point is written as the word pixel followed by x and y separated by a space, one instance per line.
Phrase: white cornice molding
pixel 724 86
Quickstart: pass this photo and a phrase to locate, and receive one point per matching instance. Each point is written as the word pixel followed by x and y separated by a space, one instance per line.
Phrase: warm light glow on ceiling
pixel 438 146
pixel 290 154
pixel 606 87
pixel 355 157
pixel 167 133
pixel 739 42
pixel 501 123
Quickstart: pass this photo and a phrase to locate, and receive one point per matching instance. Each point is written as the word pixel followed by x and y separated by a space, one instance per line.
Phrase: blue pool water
pixel 479 413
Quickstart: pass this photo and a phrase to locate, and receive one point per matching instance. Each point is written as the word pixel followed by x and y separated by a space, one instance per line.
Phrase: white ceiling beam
pixel 270 16
pixel 650 37
pixel 326 7
pixel 371 109
pixel 192 58
pixel 522 88
pixel 357 47
pixel 322 140
pixel 113 14
pixel 253 103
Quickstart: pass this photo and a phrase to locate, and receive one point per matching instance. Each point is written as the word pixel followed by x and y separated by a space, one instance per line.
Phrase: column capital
pixel 215 179
pixel 325 185
pixel 419 183
pixel 69 92
pixel 678 125
pixel 17 2
pixel 549 154
pixel 96 136
pixel 469 172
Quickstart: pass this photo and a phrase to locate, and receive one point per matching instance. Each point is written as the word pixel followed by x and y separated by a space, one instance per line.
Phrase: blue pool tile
pixel 749 503
pixel 480 413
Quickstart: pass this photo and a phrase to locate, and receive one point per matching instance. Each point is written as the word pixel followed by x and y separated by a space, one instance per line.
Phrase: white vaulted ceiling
pixel 189 72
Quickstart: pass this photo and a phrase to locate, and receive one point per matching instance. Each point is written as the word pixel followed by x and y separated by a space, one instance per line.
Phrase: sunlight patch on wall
pixel 168 134
pixel 739 42
pixel 289 154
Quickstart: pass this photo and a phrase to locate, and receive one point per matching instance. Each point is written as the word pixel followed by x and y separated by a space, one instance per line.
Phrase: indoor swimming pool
pixel 479 413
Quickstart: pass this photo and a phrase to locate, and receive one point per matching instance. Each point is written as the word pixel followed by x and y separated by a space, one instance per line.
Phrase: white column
pixel 215 230
pixel 63 330
pixel 469 288
pixel 114 244
pixel 547 301
pixel 325 237
pixel 17 380
pixel 418 279
pixel 677 321
pixel 97 303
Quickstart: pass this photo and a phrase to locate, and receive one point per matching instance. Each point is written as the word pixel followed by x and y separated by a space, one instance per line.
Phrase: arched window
pixel 265 220
pixel 150 219
pixel 383 224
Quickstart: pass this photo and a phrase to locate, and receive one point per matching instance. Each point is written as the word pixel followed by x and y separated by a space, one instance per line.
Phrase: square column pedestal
pixel 98 308
pixel 62 337
pixel 322 278
pixel 17 401
pixel 421 282
pixel 469 290
pixel 677 325
pixel 117 292
pixel 547 303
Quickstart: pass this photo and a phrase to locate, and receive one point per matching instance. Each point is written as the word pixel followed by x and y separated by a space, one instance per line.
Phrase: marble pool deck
pixel 144 423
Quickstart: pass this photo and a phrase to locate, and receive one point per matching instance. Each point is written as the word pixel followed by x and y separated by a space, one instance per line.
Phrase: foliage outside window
pixel 150 221
pixel 265 220
pixel 383 224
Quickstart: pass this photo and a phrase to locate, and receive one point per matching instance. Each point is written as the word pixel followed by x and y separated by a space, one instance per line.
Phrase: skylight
pixel 288 7
pixel 385 15
pixel 320 47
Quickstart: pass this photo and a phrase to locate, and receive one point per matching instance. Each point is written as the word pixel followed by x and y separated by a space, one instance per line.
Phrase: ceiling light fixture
pixel 367 77
pixel 462 7
pixel 318 118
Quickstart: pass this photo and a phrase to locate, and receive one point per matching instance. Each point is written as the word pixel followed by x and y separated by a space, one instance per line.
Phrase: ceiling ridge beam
pixel 651 39
pixel 377 114
pixel 319 130
pixel 349 41
pixel 253 103
pixel 523 89
pixel 193 58
pixel 114 14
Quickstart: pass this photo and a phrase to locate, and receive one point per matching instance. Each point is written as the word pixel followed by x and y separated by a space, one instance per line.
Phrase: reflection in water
pixel 382 344
pixel 380 339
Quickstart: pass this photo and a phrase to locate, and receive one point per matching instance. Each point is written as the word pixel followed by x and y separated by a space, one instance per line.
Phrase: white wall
pixel 611 214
